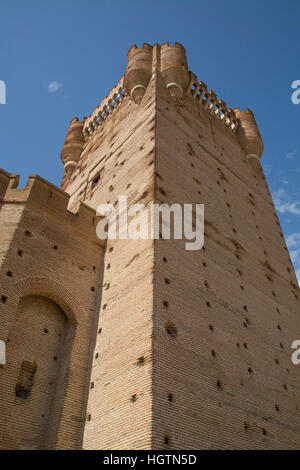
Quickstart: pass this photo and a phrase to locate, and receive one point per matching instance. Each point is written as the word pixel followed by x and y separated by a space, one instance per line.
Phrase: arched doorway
pixel 39 349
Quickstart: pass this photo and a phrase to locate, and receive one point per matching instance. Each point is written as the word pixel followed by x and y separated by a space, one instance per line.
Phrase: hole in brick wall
pixel 107 286
pixel 288 270
pixel 111 188
pixel 277 407
pixel 94 268
pixel 141 361
pixel 245 324
pixel 237 255
pixel 279 327
pixel 133 398
pixel 50 194
pixel 89 417
pixel 281 345
pixel 20 252
pixel 167 281
pixel 111 249
pixel 208 304
pixel 108 266
pixel 277 362
pixel 25 380
pixel 211 327
pixel 245 345
pixel 93 289
pixel 213 353
pixel 165 303
pixel 170 397
pixel 237 345
pixel 95 180
pixel 277 310
pixel 204 264
pixel 245 308
pixel 128 186
pixel 3 299
pixel 165 259
pixel 27 233
pixel 166 439
pixel 219 385
pixel 264 431
pixel 9 274
pixel 285 387
pixel 104 306
pixel 250 370
pixel 273 293
pixel 245 426
pixel 96 355
pixel 92 385
pixel 54 358
pixel 55 247
pixel 206 284
pixel 99 331
pixel 242 287
pixel 234 230
pixel 45 330
pixel 171 329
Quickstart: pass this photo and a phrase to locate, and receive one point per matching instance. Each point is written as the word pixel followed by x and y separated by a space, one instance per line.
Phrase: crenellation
pixel 46 197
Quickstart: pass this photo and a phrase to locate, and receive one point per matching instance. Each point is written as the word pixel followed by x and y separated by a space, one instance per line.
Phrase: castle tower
pixel 169 348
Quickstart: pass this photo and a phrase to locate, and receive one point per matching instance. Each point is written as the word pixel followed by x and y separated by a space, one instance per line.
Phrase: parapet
pixel 248 134
pixel 208 99
pixel 138 71
pixel 46 198
pixel 169 60
pixel 174 68
pixel 73 145
pixel 105 109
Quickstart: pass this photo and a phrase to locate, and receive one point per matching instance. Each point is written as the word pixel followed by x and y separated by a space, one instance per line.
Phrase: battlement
pixel 105 109
pixel 172 63
pixel 42 196
pixel 208 99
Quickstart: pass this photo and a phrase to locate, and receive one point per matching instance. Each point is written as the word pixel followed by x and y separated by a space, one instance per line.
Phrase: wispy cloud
pixel 290 155
pixel 267 169
pixel 54 86
pixel 293 243
pixel 284 204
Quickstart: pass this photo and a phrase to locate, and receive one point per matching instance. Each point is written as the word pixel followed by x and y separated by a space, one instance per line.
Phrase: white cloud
pixel 293 243
pixel 267 169
pixel 54 86
pixel 290 155
pixel 283 203
pixel 293 240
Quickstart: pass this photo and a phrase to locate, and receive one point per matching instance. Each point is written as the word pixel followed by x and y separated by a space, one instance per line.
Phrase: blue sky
pixel 59 59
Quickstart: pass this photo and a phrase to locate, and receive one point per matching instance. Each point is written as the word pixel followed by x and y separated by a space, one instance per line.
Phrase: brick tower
pixel 141 344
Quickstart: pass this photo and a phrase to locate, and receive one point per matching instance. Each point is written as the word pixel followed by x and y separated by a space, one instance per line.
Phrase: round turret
pixel 138 72
pixel 174 68
pixel 73 145
pixel 248 134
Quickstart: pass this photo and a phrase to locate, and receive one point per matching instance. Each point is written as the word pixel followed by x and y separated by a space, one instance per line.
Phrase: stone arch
pixel 55 291
pixel 29 290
